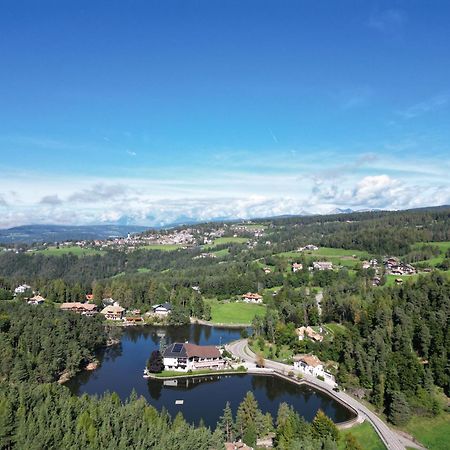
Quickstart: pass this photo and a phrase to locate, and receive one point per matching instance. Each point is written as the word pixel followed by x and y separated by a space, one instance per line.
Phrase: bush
pixel 320 377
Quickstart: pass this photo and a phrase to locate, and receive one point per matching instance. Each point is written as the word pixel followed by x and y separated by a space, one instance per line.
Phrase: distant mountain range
pixel 28 234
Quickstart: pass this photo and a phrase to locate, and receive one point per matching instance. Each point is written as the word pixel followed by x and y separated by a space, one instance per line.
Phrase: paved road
pixel 392 439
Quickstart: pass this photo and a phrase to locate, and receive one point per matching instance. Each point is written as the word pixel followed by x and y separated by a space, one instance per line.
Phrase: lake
pixel 204 398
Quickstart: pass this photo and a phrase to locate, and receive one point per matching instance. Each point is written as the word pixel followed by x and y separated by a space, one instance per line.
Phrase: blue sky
pixel 148 111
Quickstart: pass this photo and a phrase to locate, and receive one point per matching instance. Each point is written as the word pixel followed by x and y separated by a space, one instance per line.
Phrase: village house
pixel 89 297
pixel 308 331
pixel 85 309
pixel 308 247
pixel 249 297
pixel 296 267
pixel 113 312
pixel 21 289
pixel 267 270
pixel 133 320
pixel 312 365
pixel 163 309
pixel 36 300
pixel 186 356
pixel 322 265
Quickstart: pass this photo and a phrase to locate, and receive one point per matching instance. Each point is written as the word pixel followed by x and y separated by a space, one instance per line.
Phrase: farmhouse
pixel 163 309
pixel 249 297
pixel 308 247
pixel 85 309
pixel 36 300
pixel 267 270
pixel 322 265
pixel 21 289
pixel 296 267
pixel 308 331
pixel 113 312
pixel 312 365
pixel 185 356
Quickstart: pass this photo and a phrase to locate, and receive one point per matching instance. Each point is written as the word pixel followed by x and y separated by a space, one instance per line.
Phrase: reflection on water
pixel 121 371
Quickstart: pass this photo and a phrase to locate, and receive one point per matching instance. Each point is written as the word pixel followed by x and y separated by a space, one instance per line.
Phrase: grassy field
pixel 443 247
pixel 143 270
pixel 390 279
pixel 234 312
pixel 365 435
pixel 433 432
pixel 162 247
pixel 220 253
pixel 338 256
pixel 74 250
pixel 228 240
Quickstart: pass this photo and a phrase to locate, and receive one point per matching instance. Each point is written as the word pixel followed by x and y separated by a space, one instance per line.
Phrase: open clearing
pixel 433 432
pixel 365 435
pixel 338 256
pixel 228 240
pixel 234 312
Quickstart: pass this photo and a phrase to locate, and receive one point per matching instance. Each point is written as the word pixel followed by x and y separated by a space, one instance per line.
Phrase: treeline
pixel 39 344
pixel 34 417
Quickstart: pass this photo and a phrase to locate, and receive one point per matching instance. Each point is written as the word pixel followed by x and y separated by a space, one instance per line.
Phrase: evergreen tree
pixel 155 363
pixel 399 410
pixel 323 427
pixel 226 423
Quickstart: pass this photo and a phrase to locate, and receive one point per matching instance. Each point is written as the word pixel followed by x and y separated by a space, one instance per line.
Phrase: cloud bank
pixel 155 203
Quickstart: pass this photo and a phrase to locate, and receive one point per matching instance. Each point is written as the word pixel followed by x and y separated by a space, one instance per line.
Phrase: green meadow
pixel 162 247
pixel 234 312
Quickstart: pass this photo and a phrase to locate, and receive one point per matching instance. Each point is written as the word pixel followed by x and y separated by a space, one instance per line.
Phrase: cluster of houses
pixel 113 311
pixel 394 266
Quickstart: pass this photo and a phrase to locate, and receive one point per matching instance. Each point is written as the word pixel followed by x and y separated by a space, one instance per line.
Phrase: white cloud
pixel 389 21
pixel 432 104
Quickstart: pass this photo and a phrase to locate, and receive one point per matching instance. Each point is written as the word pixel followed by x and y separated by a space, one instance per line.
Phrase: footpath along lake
pixel 204 398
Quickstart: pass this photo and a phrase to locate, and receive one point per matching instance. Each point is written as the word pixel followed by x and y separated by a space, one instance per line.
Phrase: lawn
pixel 433 432
pixel 162 247
pixel 365 435
pixel 234 312
pixel 143 270
pixel 74 250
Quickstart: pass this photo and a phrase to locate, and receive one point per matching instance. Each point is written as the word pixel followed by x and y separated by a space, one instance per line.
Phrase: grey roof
pixel 166 305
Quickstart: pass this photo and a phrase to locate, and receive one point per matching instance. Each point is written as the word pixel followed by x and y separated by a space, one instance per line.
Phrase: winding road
pixel 391 439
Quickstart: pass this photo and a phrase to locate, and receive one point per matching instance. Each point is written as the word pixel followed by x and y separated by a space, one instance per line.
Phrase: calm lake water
pixel 121 371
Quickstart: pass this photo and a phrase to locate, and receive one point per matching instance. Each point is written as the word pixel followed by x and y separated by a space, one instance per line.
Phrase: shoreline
pixel 208 323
